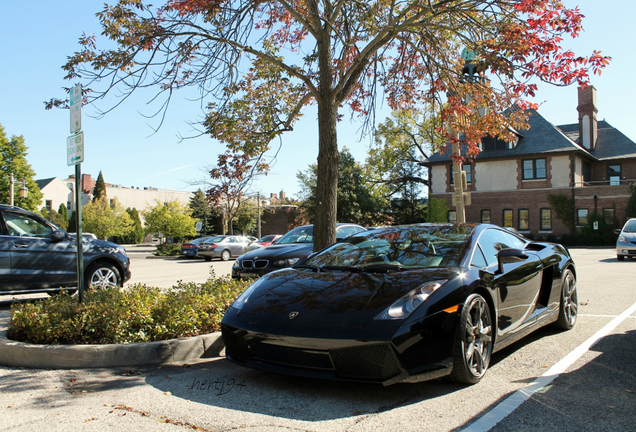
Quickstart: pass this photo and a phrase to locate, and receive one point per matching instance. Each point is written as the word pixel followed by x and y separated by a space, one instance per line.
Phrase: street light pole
pixel 24 192
pixel 11 184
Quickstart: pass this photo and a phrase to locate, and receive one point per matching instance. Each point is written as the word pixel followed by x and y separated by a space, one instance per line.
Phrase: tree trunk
pixel 327 179
pixel 328 156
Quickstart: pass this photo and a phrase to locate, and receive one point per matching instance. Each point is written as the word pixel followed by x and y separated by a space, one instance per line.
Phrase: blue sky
pixel 37 36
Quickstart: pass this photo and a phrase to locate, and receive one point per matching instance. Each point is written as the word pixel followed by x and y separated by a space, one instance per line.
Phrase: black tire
pixel 101 275
pixel 226 255
pixel 473 342
pixel 569 304
pixel 620 257
pixel 207 258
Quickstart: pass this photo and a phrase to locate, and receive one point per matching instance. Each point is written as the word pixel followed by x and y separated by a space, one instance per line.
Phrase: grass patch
pixel 137 314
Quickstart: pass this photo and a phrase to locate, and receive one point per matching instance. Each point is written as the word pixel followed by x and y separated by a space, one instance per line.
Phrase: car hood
pixel 331 298
pixel 629 236
pixel 301 250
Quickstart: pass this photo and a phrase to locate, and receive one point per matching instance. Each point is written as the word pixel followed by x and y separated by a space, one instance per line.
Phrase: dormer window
pixel 490 143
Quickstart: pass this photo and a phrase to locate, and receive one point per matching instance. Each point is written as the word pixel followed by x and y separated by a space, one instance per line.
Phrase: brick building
pixel 509 182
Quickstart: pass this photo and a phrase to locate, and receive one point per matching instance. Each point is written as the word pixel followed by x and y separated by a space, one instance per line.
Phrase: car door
pixel 37 261
pixel 231 244
pixel 517 287
pixel 5 260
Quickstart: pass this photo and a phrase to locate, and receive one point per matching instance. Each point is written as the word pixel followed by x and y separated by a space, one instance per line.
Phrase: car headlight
pixel 285 262
pixel 403 307
pixel 622 239
pixel 243 298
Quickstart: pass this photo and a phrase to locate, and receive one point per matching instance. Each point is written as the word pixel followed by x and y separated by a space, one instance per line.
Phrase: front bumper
pixel 626 249
pixel 384 355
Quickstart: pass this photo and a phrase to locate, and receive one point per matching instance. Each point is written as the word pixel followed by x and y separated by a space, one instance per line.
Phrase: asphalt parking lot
pixel 587 381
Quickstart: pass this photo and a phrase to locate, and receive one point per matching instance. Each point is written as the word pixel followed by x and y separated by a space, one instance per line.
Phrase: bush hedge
pixel 136 314
pixel 168 249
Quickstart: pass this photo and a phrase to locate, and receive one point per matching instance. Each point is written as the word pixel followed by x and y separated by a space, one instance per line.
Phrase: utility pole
pixel 258 217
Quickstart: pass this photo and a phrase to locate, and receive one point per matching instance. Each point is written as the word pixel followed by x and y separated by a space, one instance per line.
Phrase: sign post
pixel 75 156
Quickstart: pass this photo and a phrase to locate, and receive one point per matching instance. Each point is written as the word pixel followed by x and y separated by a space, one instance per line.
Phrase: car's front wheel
pixel 569 306
pixel 101 275
pixel 225 255
pixel 473 342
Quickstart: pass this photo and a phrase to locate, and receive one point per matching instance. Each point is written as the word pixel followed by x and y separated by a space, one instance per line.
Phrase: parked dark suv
pixel 37 256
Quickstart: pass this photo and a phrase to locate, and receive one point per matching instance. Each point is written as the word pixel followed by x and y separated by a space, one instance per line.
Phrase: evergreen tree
pixel 72 223
pixel 13 161
pixel 99 191
pixel 63 216
pixel 200 208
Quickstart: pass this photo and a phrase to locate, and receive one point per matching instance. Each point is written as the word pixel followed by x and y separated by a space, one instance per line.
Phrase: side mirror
pixel 617 232
pixel 507 256
pixel 58 235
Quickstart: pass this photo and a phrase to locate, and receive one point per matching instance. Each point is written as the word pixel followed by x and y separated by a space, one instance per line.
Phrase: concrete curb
pixel 22 354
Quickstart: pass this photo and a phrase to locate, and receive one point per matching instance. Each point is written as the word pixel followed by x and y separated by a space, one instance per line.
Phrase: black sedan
pixel 403 304
pixel 292 248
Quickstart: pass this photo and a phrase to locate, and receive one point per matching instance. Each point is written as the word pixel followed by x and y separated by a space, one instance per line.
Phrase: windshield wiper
pixel 311 267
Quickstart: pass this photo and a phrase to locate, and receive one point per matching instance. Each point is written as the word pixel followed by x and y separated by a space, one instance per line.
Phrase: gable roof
pixel 610 143
pixel 44 182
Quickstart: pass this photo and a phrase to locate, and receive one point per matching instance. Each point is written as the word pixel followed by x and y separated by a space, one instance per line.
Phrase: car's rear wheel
pixel 225 255
pixel 102 275
pixel 473 342
pixel 207 258
pixel 569 306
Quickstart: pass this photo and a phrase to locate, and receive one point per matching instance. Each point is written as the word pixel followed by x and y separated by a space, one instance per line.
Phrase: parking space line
pixel 511 403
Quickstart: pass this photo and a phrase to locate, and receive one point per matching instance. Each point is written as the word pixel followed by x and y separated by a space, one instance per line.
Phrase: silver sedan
pixel 224 247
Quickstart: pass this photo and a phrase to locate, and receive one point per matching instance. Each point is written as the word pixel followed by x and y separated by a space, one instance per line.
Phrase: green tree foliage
pixel 136 233
pixel 244 58
pixel 72 223
pixel 245 220
pixel 356 201
pixel 54 217
pixel 99 218
pixel 63 211
pixel 200 208
pixel 99 191
pixel 437 210
pixel 171 219
pixel 402 142
pixel 13 154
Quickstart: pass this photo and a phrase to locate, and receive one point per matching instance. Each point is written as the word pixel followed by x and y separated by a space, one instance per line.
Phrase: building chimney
pixel 87 183
pixel 282 195
pixel 588 126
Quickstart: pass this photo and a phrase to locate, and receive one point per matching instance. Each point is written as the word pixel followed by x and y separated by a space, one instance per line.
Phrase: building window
pixel 581 217
pixel 608 215
pixel 507 218
pixel 468 169
pixel 524 219
pixel 490 143
pixel 112 203
pixel 452 216
pixel 49 205
pixel 534 169
pixel 485 216
pixel 546 219
pixel 587 172
pixel 614 174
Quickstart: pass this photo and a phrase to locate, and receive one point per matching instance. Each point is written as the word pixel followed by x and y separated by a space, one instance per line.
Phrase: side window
pixel 492 241
pixel 231 240
pixel 478 259
pixel 346 231
pixel 25 226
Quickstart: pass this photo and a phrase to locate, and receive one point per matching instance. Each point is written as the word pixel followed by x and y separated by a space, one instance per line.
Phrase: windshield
pixel 217 239
pixel 298 235
pixel 630 226
pixel 400 247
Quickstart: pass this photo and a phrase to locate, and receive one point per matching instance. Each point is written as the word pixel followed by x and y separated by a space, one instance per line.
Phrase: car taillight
pixel 188 246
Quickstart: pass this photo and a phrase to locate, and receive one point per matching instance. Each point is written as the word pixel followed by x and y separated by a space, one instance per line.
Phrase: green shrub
pixel 168 249
pixel 137 314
